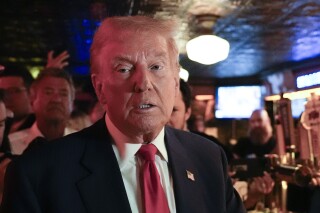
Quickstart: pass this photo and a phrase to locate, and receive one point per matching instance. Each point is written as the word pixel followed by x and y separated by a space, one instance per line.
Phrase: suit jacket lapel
pixel 102 190
pixel 186 181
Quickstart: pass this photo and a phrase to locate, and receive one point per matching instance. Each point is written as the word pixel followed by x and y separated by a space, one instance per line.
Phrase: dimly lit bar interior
pixel 237 56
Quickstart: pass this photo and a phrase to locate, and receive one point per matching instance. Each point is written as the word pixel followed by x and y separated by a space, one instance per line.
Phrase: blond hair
pixel 110 28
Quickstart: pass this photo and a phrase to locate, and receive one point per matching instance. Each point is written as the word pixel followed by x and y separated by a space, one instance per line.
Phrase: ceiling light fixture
pixel 207 49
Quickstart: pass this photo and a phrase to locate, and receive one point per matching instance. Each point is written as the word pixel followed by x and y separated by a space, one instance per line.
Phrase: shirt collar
pixel 160 144
pixel 35 130
pixel 121 144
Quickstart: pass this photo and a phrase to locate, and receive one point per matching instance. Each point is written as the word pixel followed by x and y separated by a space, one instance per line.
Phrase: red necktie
pixel 155 200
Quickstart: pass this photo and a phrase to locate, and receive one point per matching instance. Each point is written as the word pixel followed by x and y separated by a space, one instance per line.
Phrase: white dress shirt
pixel 20 140
pixel 130 165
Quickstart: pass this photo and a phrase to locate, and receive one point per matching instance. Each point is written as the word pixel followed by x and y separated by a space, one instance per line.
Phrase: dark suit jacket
pixel 79 173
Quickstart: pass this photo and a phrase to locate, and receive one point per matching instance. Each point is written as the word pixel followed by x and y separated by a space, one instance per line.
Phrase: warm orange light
pixel 203 97
pixel 294 95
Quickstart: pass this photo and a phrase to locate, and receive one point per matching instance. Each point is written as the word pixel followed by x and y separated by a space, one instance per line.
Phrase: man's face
pixel 137 83
pixel 16 96
pixel 180 114
pixel 52 99
pixel 258 128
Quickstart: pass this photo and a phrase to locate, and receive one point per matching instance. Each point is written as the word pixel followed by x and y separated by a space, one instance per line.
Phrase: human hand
pixel 315 181
pixel 261 185
pixel 1 67
pixel 257 188
pixel 59 61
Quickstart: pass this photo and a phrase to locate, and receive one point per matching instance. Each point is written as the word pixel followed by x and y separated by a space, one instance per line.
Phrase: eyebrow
pixel 128 58
pixel 52 88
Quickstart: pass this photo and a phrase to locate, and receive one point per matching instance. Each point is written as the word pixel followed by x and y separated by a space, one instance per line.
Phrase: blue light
pixel 308 80
pixel 81 31
pixel 82 70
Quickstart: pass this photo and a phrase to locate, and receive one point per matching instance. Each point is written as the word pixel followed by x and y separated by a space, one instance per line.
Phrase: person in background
pixel 135 73
pixel 52 95
pixel 260 141
pixel 182 108
pixel 78 120
pixel 182 112
pixel 15 81
pixel 196 123
pixel 5 156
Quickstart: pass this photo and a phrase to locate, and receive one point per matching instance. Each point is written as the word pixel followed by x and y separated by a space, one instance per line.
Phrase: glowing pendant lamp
pixel 207 49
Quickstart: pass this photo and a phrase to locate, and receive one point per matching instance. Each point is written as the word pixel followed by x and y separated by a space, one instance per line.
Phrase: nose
pixel 255 123
pixel 56 97
pixel 142 80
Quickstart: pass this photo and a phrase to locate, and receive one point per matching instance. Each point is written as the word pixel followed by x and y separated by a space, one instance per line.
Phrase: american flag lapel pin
pixel 190 175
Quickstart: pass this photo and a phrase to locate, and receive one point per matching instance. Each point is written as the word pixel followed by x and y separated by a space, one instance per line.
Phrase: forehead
pixel 53 82
pixel 133 44
pixel 11 81
pixel 258 116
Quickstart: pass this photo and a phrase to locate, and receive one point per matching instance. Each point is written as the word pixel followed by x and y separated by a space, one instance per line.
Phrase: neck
pixel 52 130
pixel 16 124
pixel 120 138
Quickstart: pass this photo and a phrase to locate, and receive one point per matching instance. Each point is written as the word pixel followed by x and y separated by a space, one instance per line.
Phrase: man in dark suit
pixel 134 70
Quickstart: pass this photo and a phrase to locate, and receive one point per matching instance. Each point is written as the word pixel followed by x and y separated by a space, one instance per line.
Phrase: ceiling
pixel 265 36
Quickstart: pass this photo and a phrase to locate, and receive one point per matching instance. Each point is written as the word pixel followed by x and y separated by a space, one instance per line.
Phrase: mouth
pixel 145 106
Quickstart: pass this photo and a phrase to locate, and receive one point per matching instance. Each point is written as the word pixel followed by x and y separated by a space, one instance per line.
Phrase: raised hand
pixel 59 62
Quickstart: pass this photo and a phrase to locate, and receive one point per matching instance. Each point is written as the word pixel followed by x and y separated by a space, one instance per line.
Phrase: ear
pixel 188 114
pixel 177 85
pixel 97 84
pixel 32 95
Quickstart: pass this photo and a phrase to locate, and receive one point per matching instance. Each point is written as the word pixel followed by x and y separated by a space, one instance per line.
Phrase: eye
pixel 174 109
pixel 124 68
pixel 48 91
pixel 156 67
pixel 63 93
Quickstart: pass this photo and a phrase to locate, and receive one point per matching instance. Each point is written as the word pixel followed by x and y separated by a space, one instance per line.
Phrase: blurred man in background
pixel 260 139
pixel 258 143
pixel 5 156
pixel 52 95
pixel 16 81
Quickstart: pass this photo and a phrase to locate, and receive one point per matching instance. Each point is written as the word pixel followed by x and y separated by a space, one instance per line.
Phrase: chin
pixel 148 125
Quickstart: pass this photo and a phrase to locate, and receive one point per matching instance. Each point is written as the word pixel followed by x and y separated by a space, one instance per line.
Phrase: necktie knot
pixel 147 152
